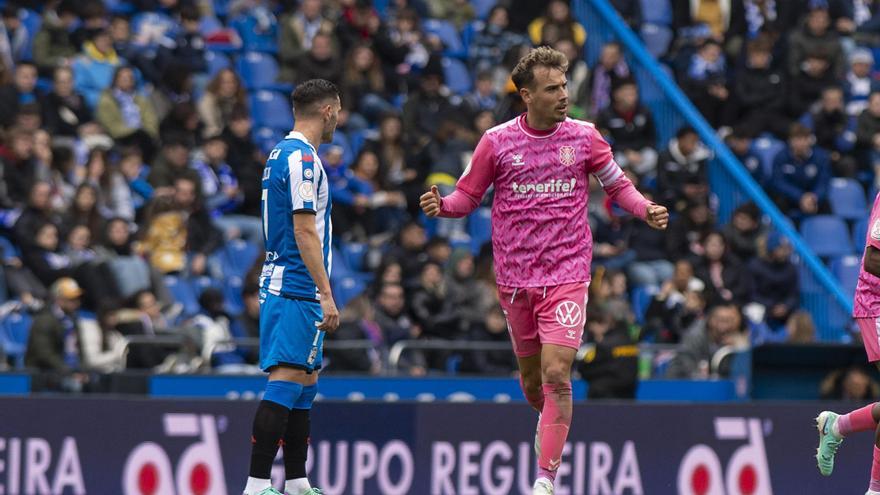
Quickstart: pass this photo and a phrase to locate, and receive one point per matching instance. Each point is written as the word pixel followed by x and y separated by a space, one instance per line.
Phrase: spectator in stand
pixel 682 170
pixel 858 83
pixel 744 231
pixel 249 320
pixel 484 96
pixel 685 235
pixel 187 49
pixel 35 213
pixel 630 11
pixel 857 18
pixel 320 62
pixel 577 76
pixel 406 36
pixel 834 130
pixel 706 81
pixel 94 69
pixel 759 93
pixel 245 159
pixel 393 159
pixel 113 192
pixel 775 279
pixel 202 237
pixel 410 250
pixel 164 241
pixel 676 306
pixel 713 14
pixel 84 209
pixel 65 109
pixel 102 346
pixel 800 328
pixel 611 236
pixel 54 344
pixel 852 384
pixel 43 256
pixel 431 306
pixel 557 23
pixel 801 175
pixel 489 45
pixel 53 45
pixel 386 207
pixel 815 36
pixel 219 186
pixel 19 168
pixel 22 91
pixel 223 95
pixel 172 163
pixel 611 366
pixel 458 12
pixel 463 290
pixel 651 266
pixel 93 16
pixel 630 129
pixel 396 325
pixel 364 82
pixel 296 31
pixel 807 86
pixel 134 171
pixel 868 136
pixel 493 328
pixel 357 322
pixel 117 240
pixel 14 36
pixel 78 245
pixel 740 142
pixel 127 116
pixel 723 327
pixel 611 68
pixel 426 107
pixel 173 89
pixel 727 281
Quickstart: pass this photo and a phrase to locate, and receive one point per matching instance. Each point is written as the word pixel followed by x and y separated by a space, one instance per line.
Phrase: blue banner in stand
pixel 161 447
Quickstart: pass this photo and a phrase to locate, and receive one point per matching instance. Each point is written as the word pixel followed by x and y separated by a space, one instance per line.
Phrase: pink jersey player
pixel 540 165
pixel 833 428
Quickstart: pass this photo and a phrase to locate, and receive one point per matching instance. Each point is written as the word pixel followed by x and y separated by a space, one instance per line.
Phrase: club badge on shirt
pixel 567 155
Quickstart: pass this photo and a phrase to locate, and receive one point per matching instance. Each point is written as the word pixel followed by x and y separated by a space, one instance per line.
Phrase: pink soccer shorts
pixel 870 329
pixel 544 315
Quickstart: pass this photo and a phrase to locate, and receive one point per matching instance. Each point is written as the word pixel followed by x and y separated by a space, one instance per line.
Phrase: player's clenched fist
pixel 657 217
pixel 430 202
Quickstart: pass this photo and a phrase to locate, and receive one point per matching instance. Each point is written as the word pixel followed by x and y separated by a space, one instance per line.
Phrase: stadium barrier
pixel 140 447
pixel 821 293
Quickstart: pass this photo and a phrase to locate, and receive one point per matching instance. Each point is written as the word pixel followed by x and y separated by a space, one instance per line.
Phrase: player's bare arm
pixel 872 261
pixel 309 245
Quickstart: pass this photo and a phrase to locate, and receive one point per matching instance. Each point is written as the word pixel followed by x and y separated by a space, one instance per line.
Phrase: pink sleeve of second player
pixel 874 225
pixel 476 179
pixel 616 184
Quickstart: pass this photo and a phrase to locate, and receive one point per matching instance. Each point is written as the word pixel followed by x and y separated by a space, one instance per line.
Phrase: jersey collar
pixel 301 137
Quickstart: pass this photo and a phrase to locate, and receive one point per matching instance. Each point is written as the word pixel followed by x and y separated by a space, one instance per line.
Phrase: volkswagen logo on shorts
pixel 568 314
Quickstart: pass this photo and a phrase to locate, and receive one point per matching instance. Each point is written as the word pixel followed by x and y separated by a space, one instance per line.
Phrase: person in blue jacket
pixel 801 175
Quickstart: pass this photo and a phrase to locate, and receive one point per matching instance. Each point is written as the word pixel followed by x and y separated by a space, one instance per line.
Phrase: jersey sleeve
pixel 616 184
pixel 874 230
pixel 301 166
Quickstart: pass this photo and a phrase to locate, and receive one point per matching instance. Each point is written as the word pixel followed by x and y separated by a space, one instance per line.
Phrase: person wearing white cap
pixel 858 83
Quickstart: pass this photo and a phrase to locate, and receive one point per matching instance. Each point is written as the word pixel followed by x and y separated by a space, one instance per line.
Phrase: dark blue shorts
pixel 288 333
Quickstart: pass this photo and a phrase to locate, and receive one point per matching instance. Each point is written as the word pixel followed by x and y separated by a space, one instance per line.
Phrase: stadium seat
pixel 271 109
pixel 266 138
pixel 346 289
pixel 656 38
pixel 767 147
pixel 260 71
pixel 15 328
pixel 483 7
pixel 827 235
pixel 657 12
pixel 847 198
pixel 846 270
pixel 232 293
pixel 458 79
pixel 253 38
pixel 7 249
pixel 216 61
pixel 479 228
pixel 238 257
pixel 209 24
pixel 860 232
pixel 184 293
pixel 641 299
pixel 354 253
pixel 448 35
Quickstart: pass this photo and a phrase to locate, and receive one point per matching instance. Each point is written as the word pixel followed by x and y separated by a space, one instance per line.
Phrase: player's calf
pixel 296 444
pixel 270 424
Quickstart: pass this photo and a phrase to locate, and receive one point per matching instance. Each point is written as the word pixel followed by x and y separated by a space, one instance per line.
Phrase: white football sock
pixel 297 486
pixel 256 485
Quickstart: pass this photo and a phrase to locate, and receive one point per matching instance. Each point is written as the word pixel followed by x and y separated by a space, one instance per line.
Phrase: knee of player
pixel 556 374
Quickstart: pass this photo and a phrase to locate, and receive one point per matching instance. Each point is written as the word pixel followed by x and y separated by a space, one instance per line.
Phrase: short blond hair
pixel 524 75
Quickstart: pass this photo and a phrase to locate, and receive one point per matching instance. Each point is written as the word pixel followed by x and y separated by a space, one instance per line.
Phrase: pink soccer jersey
pixel 540 233
pixel 867 301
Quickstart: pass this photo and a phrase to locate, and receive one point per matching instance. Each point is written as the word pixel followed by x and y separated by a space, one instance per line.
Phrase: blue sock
pixel 283 392
pixel 306 397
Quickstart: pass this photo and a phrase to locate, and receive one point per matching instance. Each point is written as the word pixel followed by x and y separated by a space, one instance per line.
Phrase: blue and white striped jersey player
pixel 296 305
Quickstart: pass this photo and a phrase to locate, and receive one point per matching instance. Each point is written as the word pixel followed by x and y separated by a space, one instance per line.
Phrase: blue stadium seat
pixel 346 289
pixel 859 234
pixel 232 293
pixel 209 24
pixel 657 38
pixel 657 12
pixel 31 22
pixel 827 235
pixel 846 270
pixel 15 328
pixel 354 253
pixel 266 138
pixel 260 71
pixel 239 256
pixel 458 79
pixel 184 293
pixel 448 35
pixel 847 198
pixel 8 249
pixel 483 7
pixel 479 227
pixel 641 299
pixel 271 109
pixel 767 147
pixel 252 37
pixel 221 8
pixel 216 61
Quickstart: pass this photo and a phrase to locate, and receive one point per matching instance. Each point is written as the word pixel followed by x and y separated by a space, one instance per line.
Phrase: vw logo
pixel 568 314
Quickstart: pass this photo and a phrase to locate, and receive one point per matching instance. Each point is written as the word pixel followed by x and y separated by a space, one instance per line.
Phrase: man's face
pixel 177 155
pixel 25 78
pixel 832 100
pixel 40 196
pixel 322 49
pixel 800 145
pixel 861 69
pixel 723 325
pixel 683 274
pixel 184 193
pixel 391 299
pixel 68 305
pixel 818 21
pixel 687 144
pixel 311 8
pixel 547 99
pixel 625 97
pixel 63 82
pixel 215 151
pixel 739 145
pixel 331 118
pixel 759 59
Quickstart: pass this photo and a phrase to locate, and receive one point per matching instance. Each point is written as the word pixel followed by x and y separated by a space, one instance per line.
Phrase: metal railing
pixel 822 295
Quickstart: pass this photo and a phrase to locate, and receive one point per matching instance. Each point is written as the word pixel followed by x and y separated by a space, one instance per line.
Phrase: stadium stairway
pixel 823 296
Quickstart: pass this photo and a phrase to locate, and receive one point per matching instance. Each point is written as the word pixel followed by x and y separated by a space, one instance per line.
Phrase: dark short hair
pixel 684 131
pixel 523 74
pixel 312 92
pixel 799 130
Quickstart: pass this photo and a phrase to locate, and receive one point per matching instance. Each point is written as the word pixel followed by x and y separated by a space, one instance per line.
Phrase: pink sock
pixel 858 420
pixel 535 400
pixel 553 427
pixel 875 471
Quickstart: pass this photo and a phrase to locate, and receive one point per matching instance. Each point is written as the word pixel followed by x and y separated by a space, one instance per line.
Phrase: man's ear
pixel 525 94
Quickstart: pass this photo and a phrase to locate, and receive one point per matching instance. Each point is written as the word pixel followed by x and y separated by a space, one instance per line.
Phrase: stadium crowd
pixel 134 134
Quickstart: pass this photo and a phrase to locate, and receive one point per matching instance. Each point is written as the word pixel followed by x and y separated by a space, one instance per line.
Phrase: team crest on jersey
pixel 306 192
pixel 307 173
pixel 875 230
pixel 518 160
pixel 567 155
